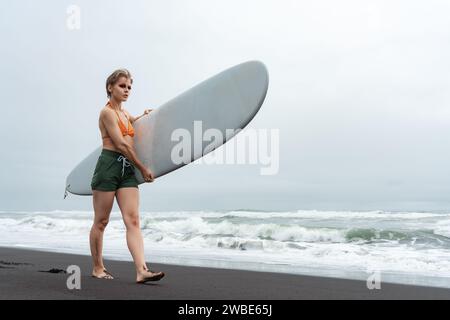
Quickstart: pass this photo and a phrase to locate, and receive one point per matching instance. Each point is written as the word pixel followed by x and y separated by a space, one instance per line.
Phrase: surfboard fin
pixel 65 191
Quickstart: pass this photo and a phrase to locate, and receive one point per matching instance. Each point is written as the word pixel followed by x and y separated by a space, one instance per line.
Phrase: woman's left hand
pixel 147 111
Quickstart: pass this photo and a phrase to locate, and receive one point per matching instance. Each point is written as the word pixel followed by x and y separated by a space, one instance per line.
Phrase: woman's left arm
pixel 146 111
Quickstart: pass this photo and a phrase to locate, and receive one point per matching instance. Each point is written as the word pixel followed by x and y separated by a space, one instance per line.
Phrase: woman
pixel 114 176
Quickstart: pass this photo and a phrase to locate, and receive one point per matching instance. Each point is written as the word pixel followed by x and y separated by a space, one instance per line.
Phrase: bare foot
pixel 102 274
pixel 148 275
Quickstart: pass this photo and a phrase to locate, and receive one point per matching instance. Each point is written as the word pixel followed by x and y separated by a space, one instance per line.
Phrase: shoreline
pixel 347 245
pixel 24 275
pixel 319 271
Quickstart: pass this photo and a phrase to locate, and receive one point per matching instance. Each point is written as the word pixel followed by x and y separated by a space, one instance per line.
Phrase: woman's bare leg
pixel 103 202
pixel 128 201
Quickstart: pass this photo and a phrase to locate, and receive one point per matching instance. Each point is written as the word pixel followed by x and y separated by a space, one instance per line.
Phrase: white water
pixel 406 247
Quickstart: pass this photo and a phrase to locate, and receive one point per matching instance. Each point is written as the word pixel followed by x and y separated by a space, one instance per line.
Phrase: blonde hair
pixel 114 77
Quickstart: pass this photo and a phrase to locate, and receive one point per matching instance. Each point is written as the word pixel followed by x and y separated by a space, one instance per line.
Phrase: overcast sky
pixel 360 91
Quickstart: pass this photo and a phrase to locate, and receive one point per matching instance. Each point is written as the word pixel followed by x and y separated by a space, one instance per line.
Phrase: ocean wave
pixel 192 228
pixel 415 245
pixel 262 214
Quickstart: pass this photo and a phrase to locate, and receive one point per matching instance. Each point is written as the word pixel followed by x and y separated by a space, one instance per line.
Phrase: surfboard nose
pixel 254 77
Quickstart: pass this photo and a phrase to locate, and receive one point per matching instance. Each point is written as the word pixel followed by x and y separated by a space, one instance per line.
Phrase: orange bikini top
pixel 129 130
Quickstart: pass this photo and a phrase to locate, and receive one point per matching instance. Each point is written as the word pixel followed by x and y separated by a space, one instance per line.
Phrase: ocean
pixel 401 247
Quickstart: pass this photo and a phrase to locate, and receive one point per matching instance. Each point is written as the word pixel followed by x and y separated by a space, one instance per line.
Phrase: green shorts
pixel 113 171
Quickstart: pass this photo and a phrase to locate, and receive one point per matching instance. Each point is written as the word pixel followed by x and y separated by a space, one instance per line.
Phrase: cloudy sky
pixel 359 90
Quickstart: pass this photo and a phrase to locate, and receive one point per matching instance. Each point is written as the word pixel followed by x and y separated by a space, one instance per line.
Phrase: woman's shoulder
pixel 105 111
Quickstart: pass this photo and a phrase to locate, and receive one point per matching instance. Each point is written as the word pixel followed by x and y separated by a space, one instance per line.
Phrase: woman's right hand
pixel 147 175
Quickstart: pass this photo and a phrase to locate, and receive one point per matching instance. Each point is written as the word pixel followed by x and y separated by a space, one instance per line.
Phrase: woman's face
pixel 121 89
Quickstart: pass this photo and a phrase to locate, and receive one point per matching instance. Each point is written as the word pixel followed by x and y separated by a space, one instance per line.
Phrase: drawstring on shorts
pixel 125 163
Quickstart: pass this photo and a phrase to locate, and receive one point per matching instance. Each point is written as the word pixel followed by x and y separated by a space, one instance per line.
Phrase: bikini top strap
pixel 128 120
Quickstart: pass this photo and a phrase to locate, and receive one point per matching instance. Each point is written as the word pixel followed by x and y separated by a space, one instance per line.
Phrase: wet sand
pixel 24 274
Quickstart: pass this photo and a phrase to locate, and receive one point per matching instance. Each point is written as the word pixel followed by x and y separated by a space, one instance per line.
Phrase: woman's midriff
pixel 109 145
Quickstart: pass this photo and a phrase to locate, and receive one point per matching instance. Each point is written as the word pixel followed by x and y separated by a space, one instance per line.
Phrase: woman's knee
pixel 101 224
pixel 131 220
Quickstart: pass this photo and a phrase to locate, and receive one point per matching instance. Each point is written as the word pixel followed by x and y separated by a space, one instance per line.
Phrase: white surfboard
pixel 229 100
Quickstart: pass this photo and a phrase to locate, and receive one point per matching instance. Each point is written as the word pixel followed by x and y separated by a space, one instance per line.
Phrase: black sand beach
pixel 21 277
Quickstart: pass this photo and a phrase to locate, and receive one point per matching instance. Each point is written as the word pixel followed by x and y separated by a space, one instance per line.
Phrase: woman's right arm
pixel 109 121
